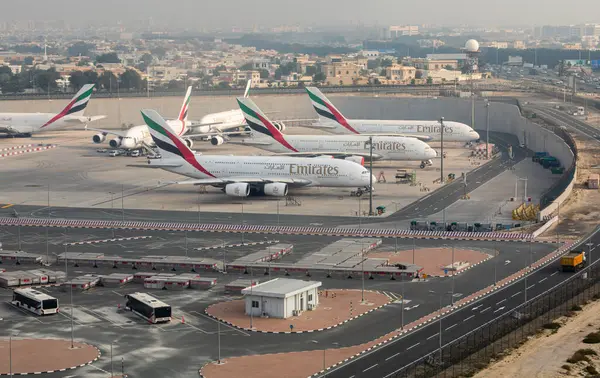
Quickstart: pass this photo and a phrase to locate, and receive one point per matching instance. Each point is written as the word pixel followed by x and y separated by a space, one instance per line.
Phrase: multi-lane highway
pixel 391 358
pixel 569 121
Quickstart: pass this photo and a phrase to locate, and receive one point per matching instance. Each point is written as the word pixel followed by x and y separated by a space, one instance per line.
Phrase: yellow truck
pixel 572 261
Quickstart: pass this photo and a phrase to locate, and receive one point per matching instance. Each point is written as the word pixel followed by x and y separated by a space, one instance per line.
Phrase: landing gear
pixel 360 191
pixel 426 163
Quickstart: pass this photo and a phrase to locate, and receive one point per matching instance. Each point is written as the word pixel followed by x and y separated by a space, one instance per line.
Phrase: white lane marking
pixel 369 368
pixel 390 357
pixel 553 274
pixel 432 336
pixel 504 300
pixel 543 279
pixel 530 286
pixel 515 294
pixel 412 346
pixel 102 370
pixel 452 326
pixel 472 316
pixel 500 309
pixel 475 308
pixel 484 310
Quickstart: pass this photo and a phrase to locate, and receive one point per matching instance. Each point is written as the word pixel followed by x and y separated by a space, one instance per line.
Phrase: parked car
pixel 101 150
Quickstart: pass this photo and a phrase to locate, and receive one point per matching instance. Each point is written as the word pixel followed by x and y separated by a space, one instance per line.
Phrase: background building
pixel 281 298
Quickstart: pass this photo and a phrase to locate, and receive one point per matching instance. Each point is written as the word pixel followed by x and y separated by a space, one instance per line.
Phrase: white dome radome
pixel 472 45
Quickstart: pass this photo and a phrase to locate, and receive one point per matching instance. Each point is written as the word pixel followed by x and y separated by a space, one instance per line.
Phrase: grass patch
pixel 576 308
pixel 577 357
pixel 553 325
pixel 592 338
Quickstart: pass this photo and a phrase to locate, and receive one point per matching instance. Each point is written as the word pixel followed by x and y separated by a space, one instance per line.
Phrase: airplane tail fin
pixel 260 124
pixel 183 113
pixel 167 141
pixel 75 107
pixel 326 111
pixel 247 91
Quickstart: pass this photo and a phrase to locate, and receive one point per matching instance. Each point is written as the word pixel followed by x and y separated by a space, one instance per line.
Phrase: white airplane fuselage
pixel 318 171
pixel 222 121
pixel 137 136
pixel 384 147
pixel 32 123
pixel 453 131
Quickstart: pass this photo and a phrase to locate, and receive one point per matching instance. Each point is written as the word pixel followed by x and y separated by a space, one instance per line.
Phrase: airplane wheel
pixel 422 166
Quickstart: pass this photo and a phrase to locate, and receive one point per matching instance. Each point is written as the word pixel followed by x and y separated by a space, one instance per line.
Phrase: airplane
pixel 332 120
pixel 349 147
pixel 241 176
pixel 138 137
pixel 27 124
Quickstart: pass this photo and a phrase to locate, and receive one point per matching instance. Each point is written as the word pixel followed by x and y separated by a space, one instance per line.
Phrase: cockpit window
pixel 365 172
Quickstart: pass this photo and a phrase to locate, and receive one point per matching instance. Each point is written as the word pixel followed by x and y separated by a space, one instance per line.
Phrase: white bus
pixel 35 301
pixel 148 307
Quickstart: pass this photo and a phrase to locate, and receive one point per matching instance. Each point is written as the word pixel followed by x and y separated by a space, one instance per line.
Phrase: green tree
pixel 83 63
pixel 145 62
pixel 218 69
pixel 223 85
pixel 46 80
pixel 131 79
pixel 175 84
pixel 159 52
pixel 80 49
pixel 413 81
pixel 429 80
pixel 5 70
pixel 386 62
pixel 111 57
pixel 28 61
pixel 77 79
pixel 14 85
pixel 449 67
pixel 107 81
pixel 247 67
pixel 311 70
pixel 264 74
pixel 319 77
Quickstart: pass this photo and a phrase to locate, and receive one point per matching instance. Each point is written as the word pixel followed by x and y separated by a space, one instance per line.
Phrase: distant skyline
pixel 194 14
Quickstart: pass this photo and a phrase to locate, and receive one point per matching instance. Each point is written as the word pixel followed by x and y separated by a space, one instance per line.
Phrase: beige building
pixel 400 73
pixel 432 64
pixel 240 76
pixel 342 73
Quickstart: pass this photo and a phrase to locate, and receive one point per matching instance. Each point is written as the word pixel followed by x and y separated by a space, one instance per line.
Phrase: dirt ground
pixel 581 213
pixel 433 259
pixel 544 355
pixel 36 355
pixel 334 307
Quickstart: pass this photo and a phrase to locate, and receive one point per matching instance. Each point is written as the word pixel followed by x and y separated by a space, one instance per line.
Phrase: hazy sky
pixel 245 13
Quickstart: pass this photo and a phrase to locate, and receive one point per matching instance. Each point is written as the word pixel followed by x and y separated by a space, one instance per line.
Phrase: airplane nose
pixel 475 135
pixel 430 153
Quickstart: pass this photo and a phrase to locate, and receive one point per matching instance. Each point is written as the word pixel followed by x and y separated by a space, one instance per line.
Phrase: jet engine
pixel 240 189
pixel 99 138
pixel 217 140
pixel 356 159
pixel 189 143
pixel 115 143
pixel 276 189
pixel 279 125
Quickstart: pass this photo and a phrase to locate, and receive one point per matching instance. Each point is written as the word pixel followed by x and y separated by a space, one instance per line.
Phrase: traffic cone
pixel 182 320
pixel 118 306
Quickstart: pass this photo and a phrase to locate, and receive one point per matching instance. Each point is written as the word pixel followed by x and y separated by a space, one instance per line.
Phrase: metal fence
pixel 473 351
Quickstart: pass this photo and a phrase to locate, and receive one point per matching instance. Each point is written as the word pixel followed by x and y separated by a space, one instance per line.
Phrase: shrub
pixel 566 367
pixel 592 370
pixel 592 338
pixel 577 357
pixel 576 308
pixel 587 352
pixel 553 325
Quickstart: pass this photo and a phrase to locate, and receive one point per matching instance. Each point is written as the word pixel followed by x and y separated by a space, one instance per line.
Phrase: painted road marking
pixel 432 336
pixel 542 280
pixel 485 309
pixel 412 346
pixel 7 206
pixel 452 326
pixel 390 357
pixel 515 294
pixel 475 308
pixel 553 274
pixel 500 309
pixel 530 286
pixel 470 317
pixel 501 301
pixel 369 368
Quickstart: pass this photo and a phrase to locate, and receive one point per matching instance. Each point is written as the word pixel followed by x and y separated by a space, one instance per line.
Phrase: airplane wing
pixel 84 119
pixel 250 180
pixel 112 132
pixel 335 154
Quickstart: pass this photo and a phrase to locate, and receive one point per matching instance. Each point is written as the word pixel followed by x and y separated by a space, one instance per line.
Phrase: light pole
pixel 71 286
pixel 487 129
pixel 442 150
pixel 277 212
pixel 219 340
pixel 453 271
pixel 370 176
pixel 590 255
pixel 112 374
pixel 402 303
pixel 495 266
pixel 251 297
pixel 186 243
pixel 362 268
pixel 47 226
pixel 122 203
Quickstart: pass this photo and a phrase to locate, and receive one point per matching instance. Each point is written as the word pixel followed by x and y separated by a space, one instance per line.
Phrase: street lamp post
pixel 362 267
pixel 453 271
pixel 495 266
pixel 186 243
pixel 442 150
pixel 402 303
pixel 219 340
pixel 122 203
pixel 487 129
pixel 112 374
pixel 589 245
pixel 370 176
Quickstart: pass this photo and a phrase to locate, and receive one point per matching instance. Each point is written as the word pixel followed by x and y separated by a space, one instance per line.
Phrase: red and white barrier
pixel 29 150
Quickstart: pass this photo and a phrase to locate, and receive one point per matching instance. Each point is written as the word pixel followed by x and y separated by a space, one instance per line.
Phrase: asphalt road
pixel 438 199
pixel 569 121
pixel 391 358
